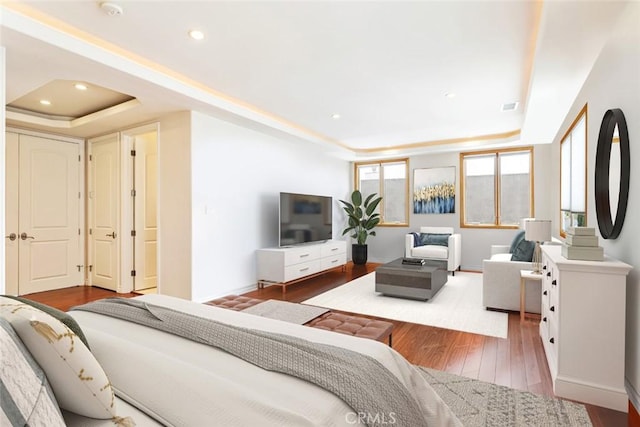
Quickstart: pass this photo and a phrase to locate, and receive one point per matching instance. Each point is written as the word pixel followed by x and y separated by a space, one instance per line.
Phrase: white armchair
pixel 501 282
pixel 450 253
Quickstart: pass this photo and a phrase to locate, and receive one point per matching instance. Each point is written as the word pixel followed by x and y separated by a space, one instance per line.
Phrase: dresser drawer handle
pixel 304 269
pixel 551 340
pixel 554 282
pixel 548 274
pixel 544 267
pixel 304 255
pixel 553 308
pixel 334 249
pixel 544 293
pixel 544 319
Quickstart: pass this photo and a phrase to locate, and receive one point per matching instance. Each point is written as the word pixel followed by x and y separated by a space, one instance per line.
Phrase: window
pixel 573 174
pixel 389 179
pixel 497 187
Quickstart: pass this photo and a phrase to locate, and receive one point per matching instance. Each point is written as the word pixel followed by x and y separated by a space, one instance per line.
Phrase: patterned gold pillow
pixel 77 379
pixel 26 397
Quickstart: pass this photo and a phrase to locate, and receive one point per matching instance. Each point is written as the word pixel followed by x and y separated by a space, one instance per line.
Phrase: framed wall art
pixel 434 190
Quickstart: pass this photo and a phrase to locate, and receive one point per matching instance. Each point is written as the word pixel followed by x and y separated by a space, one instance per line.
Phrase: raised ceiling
pixel 67 100
pixel 288 67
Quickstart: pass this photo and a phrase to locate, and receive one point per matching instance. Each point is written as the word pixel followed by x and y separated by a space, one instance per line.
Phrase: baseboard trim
pixel 596 394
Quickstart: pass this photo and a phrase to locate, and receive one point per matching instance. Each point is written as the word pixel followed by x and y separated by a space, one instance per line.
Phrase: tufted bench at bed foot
pixel 354 325
pixel 235 302
pixel 345 324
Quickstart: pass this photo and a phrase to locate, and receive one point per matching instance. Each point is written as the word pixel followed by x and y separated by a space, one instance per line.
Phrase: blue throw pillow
pixel 434 239
pixel 517 239
pixel 416 240
pixel 523 251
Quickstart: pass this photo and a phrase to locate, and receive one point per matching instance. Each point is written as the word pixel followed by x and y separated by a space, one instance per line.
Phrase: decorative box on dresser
pixel 284 266
pixel 583 327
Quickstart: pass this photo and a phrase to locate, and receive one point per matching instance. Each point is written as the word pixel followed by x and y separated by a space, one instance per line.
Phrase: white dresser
pixel 287 265
pixel 583 327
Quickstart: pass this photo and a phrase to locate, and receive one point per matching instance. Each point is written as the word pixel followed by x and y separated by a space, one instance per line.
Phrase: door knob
pixel 24 236
pixel 12 236
pixel 112 235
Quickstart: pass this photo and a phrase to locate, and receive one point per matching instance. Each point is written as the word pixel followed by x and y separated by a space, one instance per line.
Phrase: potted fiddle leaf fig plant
pixel 363 218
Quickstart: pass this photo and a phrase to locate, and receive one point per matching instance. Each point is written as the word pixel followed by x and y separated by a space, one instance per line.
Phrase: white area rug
pixel 457 306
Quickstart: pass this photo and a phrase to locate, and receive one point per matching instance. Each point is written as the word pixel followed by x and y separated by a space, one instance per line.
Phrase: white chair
pixel 450 253
pixel 501 282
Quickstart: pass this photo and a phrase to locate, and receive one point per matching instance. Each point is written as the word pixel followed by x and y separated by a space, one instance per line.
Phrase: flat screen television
pixel 305 218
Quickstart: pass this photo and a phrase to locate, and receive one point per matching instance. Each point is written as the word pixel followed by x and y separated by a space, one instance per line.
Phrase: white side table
pixel 524 276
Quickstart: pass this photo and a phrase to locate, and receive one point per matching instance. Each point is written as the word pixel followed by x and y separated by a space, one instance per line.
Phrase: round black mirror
pixel 613 120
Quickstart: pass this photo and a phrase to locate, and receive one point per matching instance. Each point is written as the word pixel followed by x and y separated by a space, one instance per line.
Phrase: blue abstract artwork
pixel 434 190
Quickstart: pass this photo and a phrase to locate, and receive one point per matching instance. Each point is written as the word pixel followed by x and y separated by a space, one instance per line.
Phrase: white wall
pixel 237 175
pixel 388 243
pixel 2 162
pixel 174 201
pixel 614 82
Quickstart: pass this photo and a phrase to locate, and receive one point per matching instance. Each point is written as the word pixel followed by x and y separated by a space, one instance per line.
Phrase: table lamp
pixel 537 230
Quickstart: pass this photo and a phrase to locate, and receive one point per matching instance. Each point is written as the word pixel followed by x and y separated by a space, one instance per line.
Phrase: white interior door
pixel 49 246
pixel 104 211
pixel 12 230
pixel 146 216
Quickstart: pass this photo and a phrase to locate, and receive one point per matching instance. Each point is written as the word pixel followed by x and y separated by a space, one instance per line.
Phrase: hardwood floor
pixel 64 299
pixel 517 361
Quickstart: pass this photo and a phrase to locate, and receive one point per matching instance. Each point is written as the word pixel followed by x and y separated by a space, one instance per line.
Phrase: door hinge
pixel 90 157
pixel 133 273
pixel 79 232
pixel 91 268
pixel 79 158
pixel 90 231
pixel 133 193
pixel 133 233
pixel 79 195
pixel 133 153
pixel 79 267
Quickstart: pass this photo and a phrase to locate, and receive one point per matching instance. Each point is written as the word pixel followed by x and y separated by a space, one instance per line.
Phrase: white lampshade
pixel 537 230
pixel 523 221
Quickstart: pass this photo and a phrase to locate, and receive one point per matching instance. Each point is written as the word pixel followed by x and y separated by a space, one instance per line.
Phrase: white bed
pixel 179 382
pixel 126 374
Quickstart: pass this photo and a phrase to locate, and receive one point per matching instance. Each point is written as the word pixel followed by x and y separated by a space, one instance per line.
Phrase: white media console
pixel 287 265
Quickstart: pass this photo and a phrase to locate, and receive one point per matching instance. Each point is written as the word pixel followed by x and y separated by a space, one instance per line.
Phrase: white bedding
pixel 183 383
pixel 124 410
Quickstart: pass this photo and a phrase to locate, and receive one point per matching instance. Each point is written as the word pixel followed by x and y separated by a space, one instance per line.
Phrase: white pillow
pixel 77 379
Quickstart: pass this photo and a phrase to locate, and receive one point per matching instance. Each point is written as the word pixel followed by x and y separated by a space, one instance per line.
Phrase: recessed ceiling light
pixel 45 102
pixel 80 86
pixel 196 34
pixel 335 116
pixel 509 106
pixel 450 95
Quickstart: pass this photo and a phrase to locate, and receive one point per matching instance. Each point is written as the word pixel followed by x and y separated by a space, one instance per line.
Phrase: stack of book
pixel 413 261
pixel 581 243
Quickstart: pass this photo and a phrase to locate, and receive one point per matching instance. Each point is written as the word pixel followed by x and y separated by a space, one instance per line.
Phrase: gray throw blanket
pixel 374 393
